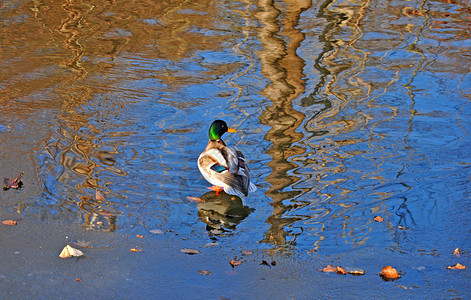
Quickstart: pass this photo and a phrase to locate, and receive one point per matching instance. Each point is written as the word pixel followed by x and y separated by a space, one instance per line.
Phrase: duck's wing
pixel 222 158
pixel 245 173
pixel 226 166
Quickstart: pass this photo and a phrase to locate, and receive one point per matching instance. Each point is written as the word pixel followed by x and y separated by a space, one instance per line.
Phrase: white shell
pixel 70 252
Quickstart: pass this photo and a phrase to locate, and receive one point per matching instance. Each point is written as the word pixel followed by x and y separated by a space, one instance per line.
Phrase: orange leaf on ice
pixel 235 262
pixel 9 222
pixel 14 183
pixel 329 269
pixel 341 271
pixel 458 266
pixel 389 273
pixel 378 219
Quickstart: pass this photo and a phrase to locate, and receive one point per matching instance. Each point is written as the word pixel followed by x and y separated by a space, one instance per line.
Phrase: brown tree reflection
pixel 281 65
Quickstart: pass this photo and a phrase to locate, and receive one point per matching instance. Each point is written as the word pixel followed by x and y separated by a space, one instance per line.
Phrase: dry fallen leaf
pixel 78 279
pixel 343 270
pixel 9 222
pixel 247 252
pixel 264 262
pixel 329 269
pixel 190 251
pixel 99 196
pixel 135 250
pixel 456 252
pixel 378 219
pixel 354 271
pixel 235 262
pixel 389 273
pixel 70 252
pixel 205 272
pixel 140 236
pixel 273 263
pixel 401 286
pixel 14 183
pixel 458 266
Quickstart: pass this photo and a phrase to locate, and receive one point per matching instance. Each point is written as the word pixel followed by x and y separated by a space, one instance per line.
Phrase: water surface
pixel 345 110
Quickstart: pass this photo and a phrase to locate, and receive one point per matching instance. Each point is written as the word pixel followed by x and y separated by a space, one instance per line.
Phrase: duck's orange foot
pixel 216 189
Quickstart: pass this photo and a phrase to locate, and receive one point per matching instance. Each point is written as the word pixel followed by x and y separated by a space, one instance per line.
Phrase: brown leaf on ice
pixel 78 279
pixel 235 262
pixel 190 251
pixel 265 263
pixel 341 271
pixel 9 222
pixel 14 183
pixel 135 250
pixel 458 266
pixel 99 196
pixel 354 271
pixel 378 219
pixel 457 252
pixel 389 273
pixel 205 272
pixel 329 269
pixel 195 199
pixel 402 287
pixel 140 236
pixel 273 263
pixel 247 252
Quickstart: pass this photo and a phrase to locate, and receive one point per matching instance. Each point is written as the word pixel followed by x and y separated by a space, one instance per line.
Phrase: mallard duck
pixel 223 166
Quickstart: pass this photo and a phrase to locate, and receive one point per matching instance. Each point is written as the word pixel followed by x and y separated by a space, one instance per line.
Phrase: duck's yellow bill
pixel 231 130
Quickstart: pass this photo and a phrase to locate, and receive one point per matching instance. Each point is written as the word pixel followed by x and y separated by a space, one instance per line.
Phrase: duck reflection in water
pixel 221 211
pixel 98 213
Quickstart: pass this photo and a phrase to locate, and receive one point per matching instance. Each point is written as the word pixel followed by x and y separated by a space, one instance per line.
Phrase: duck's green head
pixel 217 129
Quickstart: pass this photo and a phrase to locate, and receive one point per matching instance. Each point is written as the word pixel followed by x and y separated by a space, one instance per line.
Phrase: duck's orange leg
pixel 216 189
